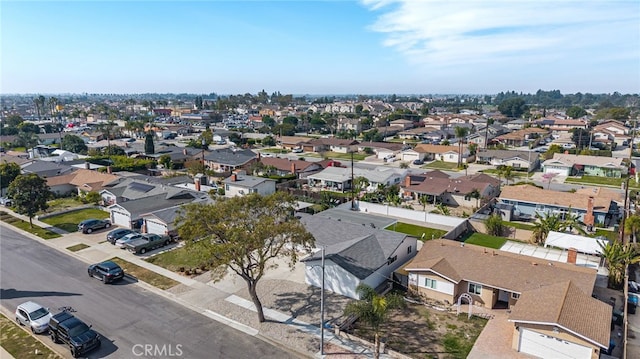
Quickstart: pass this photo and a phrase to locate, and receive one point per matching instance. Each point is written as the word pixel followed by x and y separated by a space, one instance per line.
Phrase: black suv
pixel 106 271
pixel 80 338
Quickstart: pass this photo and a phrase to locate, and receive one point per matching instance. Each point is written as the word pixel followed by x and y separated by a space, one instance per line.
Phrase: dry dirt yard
pixel 422 332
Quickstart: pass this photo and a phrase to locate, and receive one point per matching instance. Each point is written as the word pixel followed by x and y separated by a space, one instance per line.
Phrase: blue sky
pixel 320 47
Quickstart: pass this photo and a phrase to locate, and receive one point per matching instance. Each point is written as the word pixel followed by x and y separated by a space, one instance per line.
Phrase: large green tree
pixel 245 234
pixel 576 112
pixel 29 194
pixel 8 172
pixel 373 310
pixel 617 257
pixel 514 107
pixel 74 144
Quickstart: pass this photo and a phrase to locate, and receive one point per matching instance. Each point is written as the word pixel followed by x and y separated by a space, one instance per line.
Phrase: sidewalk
pixel 4 354
pixel 224 302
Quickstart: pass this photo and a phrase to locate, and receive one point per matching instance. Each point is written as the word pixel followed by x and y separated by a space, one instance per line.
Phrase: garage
pixel 544 346
pixel 410 156
pixel 156 227
pixel 120 218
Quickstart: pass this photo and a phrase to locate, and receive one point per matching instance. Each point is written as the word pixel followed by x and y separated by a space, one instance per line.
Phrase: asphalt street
pixel 133 322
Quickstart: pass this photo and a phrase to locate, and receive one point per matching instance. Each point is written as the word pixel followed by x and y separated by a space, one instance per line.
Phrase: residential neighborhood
pixel 511 228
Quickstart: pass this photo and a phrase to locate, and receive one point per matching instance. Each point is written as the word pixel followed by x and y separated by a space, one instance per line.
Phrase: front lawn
pixel 24 225
pixel 441 165
pixel 416 231
pixel 185 257
pixel 60 204
pixel 485 240
pixel 602 181
pixel 612 235
pixel 20 344
pixel 69 221
pixel 145 275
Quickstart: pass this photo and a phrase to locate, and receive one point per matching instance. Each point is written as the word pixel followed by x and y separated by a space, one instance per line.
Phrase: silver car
pixel 34 315
pixel 126 239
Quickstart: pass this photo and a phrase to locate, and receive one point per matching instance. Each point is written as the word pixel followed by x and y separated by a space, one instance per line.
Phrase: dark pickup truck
pixel 149 241
pixel 66 328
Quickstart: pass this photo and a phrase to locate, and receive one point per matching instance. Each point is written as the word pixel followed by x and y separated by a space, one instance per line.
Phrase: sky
pixel 319 47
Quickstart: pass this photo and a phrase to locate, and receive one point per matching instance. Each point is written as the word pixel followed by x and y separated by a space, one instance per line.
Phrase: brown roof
pixel 87 180
pixel 428 148
pixel 577 200
pixel 284 164
pixel 293 140
pixel 437 183
pixel 19 160
pixel 495 268
pixel 565 305
pixel 520 134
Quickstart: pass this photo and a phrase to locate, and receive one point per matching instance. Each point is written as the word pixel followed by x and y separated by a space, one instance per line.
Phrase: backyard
pixel 69 221
pixel 416 231
pixel 422 332
pixel 484 240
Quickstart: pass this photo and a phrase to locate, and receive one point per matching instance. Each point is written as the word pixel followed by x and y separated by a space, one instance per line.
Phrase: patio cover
pixel 581 243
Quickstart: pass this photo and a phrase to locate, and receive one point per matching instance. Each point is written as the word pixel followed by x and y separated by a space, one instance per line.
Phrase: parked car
pixel 68 329
pixel 116 234
pixel 147 242
pixel 106 271
pixel 297 150
pixel 418 162
pixel 6 201
pixel 126 239
pixel 90 225
pixel 568 146
pixel 34 315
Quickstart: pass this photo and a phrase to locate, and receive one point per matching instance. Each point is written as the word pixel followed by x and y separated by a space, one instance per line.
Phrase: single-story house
pixel 339 178
pixel 578 165
pixel 82 180
pixel 354 253
pixel 527 200
pixel 548 300
pixel 285 166
pixel 330 144
pixel 430 152
pixel 436 186
pixel 229 159
pixel 161 222
pixel 47 169
pixel 517 159
pixel 240 185
pixel 520 137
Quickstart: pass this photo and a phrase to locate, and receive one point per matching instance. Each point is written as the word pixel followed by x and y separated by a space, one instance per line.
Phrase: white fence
pixel 419 216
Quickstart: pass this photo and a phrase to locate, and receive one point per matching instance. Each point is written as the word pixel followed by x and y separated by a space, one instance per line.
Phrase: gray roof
pixel 246 181
pixel 47 169
pixel 229 157
pixel 358 248
pixel 344 214
pixel 166 215
pixel 504 154
pixel 132 189
pixel 160 201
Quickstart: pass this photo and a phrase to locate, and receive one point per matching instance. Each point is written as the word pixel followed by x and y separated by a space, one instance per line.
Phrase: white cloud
pixel 471 35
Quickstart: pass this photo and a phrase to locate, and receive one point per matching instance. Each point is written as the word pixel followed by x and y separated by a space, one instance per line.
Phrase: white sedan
pixel 34 315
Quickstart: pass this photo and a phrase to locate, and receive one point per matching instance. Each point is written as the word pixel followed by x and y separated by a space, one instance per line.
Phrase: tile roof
pixel 437 185
pixel 572 160
pixel 429 148
pixel 495 268
pixel 569 307
pixel 577 200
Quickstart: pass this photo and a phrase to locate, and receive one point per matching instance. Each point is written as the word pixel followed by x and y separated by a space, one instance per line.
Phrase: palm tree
pixel 36 103
pixel 107 129
pixel 618 256
pixel 373 310
pixel 507 173
pixel 443 209
pixel 53 102
pixel 632 226
pixel 486 131
pixel 461 133
pixel 475 193
pixel 424 200
pixel 545 224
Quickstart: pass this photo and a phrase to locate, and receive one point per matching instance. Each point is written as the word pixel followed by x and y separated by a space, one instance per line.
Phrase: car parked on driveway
pixel 6 201
pixel 116 234
pixel 418 162
pixel 106 271
pixel 34 315
pixel 90 225
pixel 66 328
pixel 128 238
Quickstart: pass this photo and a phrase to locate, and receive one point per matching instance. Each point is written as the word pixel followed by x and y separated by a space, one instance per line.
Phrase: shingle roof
pixel 438 185
pixel 498 269
pixel 577 200
pixel 359 249
pixel 571 160
pixel 157 202
pixel 504 154
pixel 376 175
pixel 230 157
pixel 567 306
pixel 284 164
pixel 428 148
pixel 246 181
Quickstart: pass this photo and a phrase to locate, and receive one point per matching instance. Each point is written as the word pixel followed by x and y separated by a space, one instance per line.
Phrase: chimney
pixel 259 156
pixel 572 256
pixel 109 169
pixel 197 183
pixel 407 181
pixel 87 165
pixel 184 151
pixel 589 219
pixel 234 177
pixel 566 152
pixel 293 167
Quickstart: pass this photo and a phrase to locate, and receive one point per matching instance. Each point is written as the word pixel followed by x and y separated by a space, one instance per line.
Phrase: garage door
pixel 156 227
pixel 409 157
pixel 120 219
pixel 563 171
pixel 544 346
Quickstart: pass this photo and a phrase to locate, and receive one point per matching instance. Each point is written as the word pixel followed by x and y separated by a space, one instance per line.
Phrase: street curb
pixel 7 313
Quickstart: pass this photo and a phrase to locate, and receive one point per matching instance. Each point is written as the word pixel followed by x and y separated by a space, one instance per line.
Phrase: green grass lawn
pixel 183 257
pixel 602 181
pixel 69 221
pixel 485 240
pixel 78 247
pixel 20 344
pixel 495 172
pixel 145 275
pixel 60 204
pixel 608 234
pixel 441 165
pixel 24 225
pixel 416 231
pixel 520 225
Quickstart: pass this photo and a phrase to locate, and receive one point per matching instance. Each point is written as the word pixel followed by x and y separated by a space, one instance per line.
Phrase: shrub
pixel 494 225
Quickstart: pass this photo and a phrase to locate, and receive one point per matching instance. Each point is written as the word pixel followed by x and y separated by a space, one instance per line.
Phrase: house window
pixel 515 296
pixel 451 157
pixel 409 249
pixel 392 259
pixel 475 288
pixel 430 283
pixel 226 187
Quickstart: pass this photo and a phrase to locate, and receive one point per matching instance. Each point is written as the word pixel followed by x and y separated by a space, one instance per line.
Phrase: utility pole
pixel 353 186
pixel 322 308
